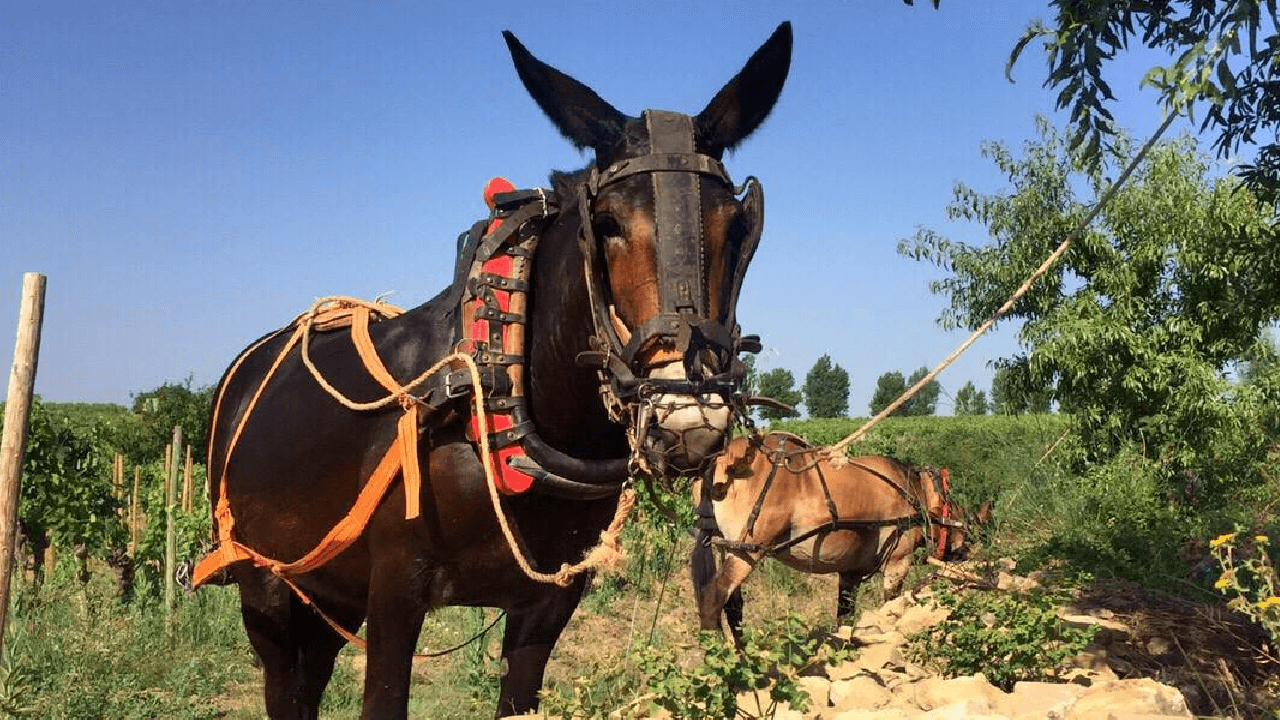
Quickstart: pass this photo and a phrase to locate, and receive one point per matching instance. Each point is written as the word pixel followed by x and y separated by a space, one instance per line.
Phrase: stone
pixel 934 692
pixel 861 692
pixel 1106 630
pixel 895 606
pixel 1159 647
pixel 966 710
pixel 878 656
pixel 757 703
pixel 882 714
pixel 1041 700
pixel 818 689
pixel 1125 699
pixel 893 637
pixel 920 617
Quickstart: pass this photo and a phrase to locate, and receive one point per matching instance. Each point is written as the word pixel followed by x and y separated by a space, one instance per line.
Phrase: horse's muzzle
pixel 684 432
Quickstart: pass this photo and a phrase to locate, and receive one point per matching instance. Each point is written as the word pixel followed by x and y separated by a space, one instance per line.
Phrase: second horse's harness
pixel 781 458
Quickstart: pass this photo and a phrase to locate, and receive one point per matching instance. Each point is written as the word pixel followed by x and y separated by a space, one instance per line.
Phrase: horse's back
pixel 294 453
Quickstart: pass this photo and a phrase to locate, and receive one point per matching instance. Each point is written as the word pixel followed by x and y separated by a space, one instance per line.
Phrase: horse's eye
pixel 606 227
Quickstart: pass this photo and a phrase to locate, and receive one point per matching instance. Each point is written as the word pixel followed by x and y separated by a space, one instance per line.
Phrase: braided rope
pixel 606 552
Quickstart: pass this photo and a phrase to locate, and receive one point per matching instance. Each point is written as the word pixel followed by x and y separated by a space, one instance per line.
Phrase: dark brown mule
pixel 614 241
pixel 775 496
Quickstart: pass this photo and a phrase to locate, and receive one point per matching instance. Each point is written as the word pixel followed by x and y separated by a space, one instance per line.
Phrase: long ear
pixel 575 109
pixel 745 101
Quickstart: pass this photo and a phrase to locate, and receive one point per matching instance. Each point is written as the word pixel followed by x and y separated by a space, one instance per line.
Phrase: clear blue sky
pixel 190 175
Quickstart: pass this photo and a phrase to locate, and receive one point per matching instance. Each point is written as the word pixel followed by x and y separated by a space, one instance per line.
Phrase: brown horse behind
pixel 776 496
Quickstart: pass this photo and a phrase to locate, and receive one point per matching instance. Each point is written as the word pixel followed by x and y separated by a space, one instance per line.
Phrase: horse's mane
pixel 565 184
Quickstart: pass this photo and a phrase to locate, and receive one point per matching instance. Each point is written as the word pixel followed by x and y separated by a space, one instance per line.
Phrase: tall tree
pixel 889 387
pixel 166 406
pixel 970 400
pixel 1136 328
pixel 924 402
pixel 826 389
pixel 1014 393
pixel 778 384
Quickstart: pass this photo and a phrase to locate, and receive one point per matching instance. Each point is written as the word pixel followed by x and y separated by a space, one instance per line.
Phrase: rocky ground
pixel 1153 656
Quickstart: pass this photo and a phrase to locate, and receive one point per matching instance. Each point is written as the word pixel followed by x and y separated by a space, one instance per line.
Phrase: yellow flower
pixel 1262 539
pixel 1222 540
pixel 1223 581
pixel 1269 602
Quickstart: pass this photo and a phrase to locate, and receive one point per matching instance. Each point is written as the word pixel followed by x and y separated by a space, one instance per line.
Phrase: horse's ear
pixel 746 100
pixel 575 109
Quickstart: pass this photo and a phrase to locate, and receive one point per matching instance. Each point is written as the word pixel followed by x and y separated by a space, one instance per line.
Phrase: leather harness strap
pixel 780 458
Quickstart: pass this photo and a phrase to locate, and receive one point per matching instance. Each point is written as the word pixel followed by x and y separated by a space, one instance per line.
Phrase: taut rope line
pixel 837 450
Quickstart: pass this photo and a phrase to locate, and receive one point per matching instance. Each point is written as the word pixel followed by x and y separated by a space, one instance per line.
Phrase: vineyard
pixel 90 613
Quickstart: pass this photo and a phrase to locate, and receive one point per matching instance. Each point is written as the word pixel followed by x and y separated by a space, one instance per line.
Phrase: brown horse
pixel 776 496
pixel 625 356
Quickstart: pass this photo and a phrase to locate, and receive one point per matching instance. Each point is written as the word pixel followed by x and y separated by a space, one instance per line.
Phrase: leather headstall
pixel 674 167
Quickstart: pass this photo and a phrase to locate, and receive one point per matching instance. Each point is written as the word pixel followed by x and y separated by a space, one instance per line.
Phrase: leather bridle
pixel 682 323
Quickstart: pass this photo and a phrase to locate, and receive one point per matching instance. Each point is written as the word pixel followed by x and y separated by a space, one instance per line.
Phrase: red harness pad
pixel 509 480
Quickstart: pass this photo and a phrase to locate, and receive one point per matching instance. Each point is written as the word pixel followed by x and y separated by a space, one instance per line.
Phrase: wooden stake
pixel 168 462
pixel 187 481
pixel 13 445
pixel 135 513
pixel 170 532
pixel 117 481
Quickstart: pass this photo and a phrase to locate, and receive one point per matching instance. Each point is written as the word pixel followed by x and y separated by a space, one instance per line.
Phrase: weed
pixel 765 669
pixel 1249 581
pixel 1007 637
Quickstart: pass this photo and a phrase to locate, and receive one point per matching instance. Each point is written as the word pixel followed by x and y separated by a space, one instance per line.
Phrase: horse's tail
pixel 702 563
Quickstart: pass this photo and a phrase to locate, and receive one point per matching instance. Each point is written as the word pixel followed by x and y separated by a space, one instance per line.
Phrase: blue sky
pixel 190 175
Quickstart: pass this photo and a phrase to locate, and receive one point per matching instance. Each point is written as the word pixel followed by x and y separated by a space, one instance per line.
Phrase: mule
pixel 629 361
pixel 776 496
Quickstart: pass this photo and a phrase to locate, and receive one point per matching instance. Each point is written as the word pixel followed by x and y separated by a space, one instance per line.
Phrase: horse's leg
pixel 702 566
pixel 397 607
pixel 733 614
pixel 295 646
pixel 847 599
pixel 531 634
pixel 733 571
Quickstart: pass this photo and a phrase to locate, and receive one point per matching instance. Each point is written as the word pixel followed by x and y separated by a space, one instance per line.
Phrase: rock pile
pixel 1105 682
pixel 879 683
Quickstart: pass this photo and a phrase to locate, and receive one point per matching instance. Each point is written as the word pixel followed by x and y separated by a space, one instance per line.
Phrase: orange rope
pixel 400 458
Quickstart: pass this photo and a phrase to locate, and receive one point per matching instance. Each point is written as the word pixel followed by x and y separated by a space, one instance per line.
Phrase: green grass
pixel 75 651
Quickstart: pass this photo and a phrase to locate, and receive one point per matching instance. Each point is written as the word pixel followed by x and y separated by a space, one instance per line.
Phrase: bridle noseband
pixel 674 167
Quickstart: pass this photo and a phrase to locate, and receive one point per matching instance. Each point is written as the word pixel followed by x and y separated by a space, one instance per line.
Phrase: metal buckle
pixel 449 391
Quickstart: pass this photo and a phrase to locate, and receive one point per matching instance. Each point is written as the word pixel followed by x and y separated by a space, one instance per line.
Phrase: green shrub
pixel 767 666
pixel 1114 521
pixel 1006 637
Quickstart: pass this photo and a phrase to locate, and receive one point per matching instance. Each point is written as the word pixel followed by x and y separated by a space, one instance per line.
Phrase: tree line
pixel 825 393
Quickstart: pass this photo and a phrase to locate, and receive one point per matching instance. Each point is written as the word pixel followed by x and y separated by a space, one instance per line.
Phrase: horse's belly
pixel 836 551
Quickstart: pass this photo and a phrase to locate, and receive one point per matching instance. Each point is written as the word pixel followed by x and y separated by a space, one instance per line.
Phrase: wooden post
pixel 168 462
pixel 170 532
pixel 187 481
pixel 135 513
pixel 22 380
pixel 117 482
